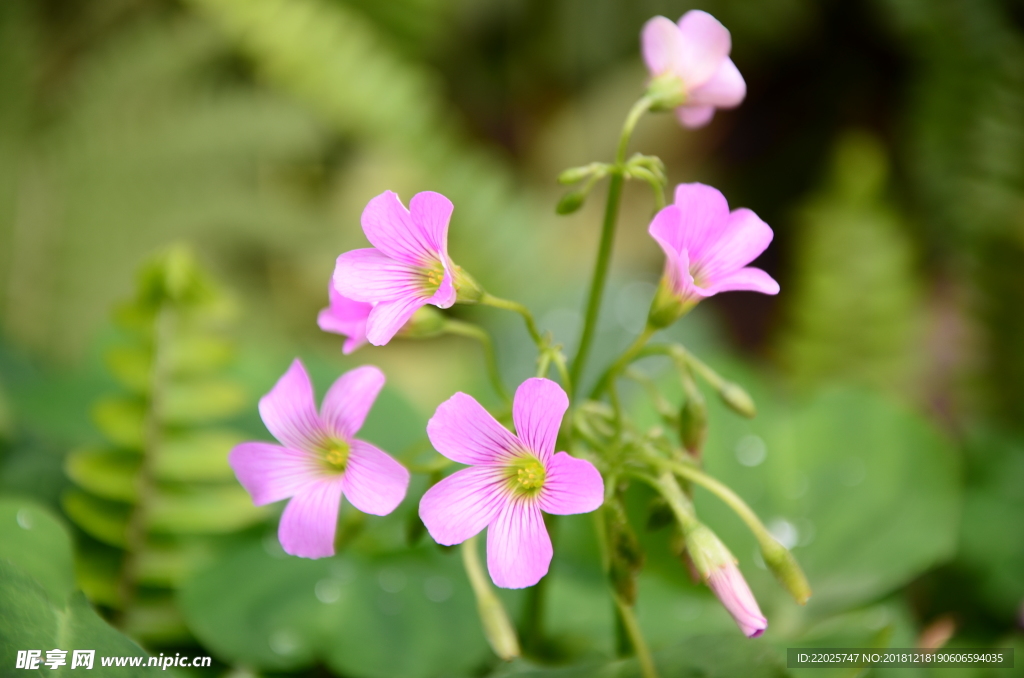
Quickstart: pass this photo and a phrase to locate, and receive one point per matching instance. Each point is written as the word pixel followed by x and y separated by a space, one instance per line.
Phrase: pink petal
pixel 748 279
pixel 288 410
pixel 310 518
pixel 695 116
pixel 732 590
pixel 349 400
pixel 346 317
pixel 374 482
pixel 704 45
pixel 704 216
pixel 660 41
pixel 518 546
pixel 392 230
pixel 743 239
pixel 370 276
pixel 725 89
pixel 271 473
pixel 462 430
pixel 463 504
pixel 571 486
pixel 388 317
pixel 537 411
pixel 431 212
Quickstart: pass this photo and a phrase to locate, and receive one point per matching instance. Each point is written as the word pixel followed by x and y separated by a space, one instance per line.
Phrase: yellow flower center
pixel 336 454
pixel 532 476
pixel 433 276
pixel 526 475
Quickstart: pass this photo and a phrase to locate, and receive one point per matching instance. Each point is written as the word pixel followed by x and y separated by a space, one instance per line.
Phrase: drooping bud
pixel 667 307
pixel 717 567
pixel 467 289
pixel 783 565
pixel 738 400
pixel 426 322
pixel 693 422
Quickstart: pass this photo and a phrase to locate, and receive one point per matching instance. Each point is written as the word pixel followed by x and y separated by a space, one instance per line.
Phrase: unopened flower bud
pixel 693 423
pixel 738 399
pixel 426 322
pixel 572 201
pixel 717 567
pixel 783 565
pixel 467 289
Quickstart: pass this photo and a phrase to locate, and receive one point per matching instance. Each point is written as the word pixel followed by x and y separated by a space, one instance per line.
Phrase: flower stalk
pixel 498 629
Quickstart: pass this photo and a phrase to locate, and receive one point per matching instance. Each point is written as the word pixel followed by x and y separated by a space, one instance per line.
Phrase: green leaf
pixel 35 540
pixel 122 420
pixel 203 511
pixel 104 520
pixel 707 656
pixel 133 367
pixel 194 353
pixel 404 616
pixel 202 401
pixel 196 456
pixel 168 565
pixel 29 619
pixel 107 473
pixel 867 490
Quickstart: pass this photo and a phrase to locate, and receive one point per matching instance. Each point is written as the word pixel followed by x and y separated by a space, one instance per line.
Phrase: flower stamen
pixel 336 454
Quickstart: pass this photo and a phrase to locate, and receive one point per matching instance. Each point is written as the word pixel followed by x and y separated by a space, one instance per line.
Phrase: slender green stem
pixel 604 250
pixel 723 492
pixel 544 364
pixel 516 307
pixel 636 637
pixel 497 628
pixel 480 334
pixel 628 356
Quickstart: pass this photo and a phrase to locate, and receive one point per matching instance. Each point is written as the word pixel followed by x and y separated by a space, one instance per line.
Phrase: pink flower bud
pixel 732 590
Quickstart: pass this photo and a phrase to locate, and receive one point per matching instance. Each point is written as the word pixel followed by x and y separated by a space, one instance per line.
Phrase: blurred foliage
pixel 162 479
pixel 39 608
pixel 855 300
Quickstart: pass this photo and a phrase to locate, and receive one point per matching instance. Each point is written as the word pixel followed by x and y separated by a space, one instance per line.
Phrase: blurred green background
pixel 177 178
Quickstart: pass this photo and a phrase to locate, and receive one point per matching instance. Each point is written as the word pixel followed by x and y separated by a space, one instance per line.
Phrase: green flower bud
pixel 426 322
pixel 738 399
pixel 693 423
pixel 572 201
pixel 783 565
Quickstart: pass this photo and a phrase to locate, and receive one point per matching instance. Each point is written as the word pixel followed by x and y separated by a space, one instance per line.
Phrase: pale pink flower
pixel 694 52
pixel 346 317
pixel 319 458
pixel 734 594
pixel 511 480
pixel 408 265
pixel 707 247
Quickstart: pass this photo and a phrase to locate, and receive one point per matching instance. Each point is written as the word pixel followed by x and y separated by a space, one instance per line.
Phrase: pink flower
pixel 694 56
pixel 319 458
pixel 408 265
pixel 707 248
pixel 511 480
pixel 346 317
pixel 734 594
